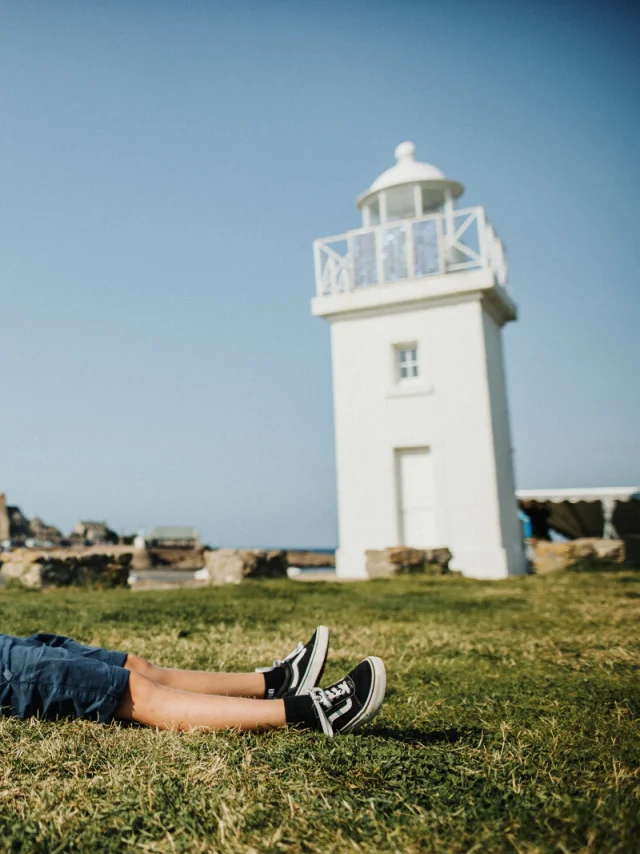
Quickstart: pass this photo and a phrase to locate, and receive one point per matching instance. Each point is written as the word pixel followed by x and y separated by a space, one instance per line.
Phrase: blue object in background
pixel 525 525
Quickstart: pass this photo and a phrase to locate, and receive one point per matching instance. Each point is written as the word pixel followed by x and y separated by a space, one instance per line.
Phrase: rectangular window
pixel 407 362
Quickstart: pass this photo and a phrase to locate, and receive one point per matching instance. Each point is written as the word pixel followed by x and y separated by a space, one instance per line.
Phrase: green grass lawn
pixel 510 725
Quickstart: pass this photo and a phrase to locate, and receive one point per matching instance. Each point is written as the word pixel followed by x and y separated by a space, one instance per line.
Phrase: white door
pixel 416 496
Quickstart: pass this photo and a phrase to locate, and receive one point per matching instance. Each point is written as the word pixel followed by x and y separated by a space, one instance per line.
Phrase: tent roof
pixel 600 493
pixel 584 512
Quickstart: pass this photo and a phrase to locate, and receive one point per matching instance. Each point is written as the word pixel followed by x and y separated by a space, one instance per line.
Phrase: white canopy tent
pixel 608 511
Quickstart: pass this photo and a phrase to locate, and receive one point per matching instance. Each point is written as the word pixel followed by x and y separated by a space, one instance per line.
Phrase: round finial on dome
pixel 407 170
pixel 405 151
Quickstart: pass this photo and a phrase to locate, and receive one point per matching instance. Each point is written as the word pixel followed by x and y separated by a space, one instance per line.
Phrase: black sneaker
pixel 302 668
pixel 352 701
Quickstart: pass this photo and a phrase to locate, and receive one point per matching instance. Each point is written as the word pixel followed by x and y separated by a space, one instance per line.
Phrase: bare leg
pixel 159 706
pixel 200 682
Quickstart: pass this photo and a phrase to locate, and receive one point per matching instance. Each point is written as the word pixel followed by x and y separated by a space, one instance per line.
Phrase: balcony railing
pixel 408 249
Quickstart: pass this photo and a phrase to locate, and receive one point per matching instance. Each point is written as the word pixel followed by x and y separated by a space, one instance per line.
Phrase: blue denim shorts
pixel 51 676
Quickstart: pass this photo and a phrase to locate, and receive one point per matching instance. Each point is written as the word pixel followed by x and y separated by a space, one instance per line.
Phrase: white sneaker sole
pixel 317 662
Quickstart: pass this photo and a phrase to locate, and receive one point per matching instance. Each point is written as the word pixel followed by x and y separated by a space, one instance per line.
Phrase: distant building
pixel 19 525
pixel 94 532
pixel 43 533
pixel 173 536
pixel 17 529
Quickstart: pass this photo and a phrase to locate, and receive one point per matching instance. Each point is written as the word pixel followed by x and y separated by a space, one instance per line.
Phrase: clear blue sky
pixel 164 168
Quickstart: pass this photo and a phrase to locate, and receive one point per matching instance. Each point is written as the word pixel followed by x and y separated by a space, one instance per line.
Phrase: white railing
pixel 406 249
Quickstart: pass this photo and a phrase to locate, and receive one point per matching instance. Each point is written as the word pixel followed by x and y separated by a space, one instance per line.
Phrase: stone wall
pixel 176 558
pixel 397 560
pixel 66 568
pixel 309 560
pixel 231 566
pixel 548 556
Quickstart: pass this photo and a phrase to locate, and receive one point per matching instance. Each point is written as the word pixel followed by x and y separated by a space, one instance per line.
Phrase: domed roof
pixel 408 170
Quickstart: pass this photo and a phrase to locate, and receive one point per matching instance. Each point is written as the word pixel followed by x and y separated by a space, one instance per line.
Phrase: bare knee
pixel 142 666
pixel 145 668
pixel 140 699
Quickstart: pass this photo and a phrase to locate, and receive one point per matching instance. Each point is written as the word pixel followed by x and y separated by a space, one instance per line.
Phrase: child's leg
pixel 296 674
pixel 228 684
pixel 147 702
pixel 248 685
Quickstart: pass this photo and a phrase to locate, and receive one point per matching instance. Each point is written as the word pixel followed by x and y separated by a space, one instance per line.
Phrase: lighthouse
pixel 416 299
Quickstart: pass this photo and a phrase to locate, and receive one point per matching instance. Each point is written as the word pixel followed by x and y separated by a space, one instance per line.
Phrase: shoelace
pixel 281 662
pixel 327 696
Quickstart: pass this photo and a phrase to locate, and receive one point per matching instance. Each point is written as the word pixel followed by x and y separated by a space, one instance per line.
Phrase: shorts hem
pixel 103 704
pixel 113 698
pixel 117 659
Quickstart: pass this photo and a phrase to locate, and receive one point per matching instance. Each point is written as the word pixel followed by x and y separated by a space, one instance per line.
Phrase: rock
pixel 25 572
pixel 551 557
pixel 309 560
pixel 37 569
pixel 613 550
pixel 385 563
pixel 176 557
pixel 231 566
pixel 580 549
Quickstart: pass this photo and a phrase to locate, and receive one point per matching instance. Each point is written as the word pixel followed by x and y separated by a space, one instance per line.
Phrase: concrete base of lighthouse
pixel 351 564
pixel 489 564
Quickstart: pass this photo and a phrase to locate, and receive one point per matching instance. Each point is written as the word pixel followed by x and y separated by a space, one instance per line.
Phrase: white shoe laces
pixel 323 700
pixel 327 696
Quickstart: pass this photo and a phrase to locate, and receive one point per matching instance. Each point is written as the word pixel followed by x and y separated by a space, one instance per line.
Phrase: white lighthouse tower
pixel 417 298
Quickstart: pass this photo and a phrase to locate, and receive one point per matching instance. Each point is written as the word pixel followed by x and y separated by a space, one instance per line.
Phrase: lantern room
pixel 408 190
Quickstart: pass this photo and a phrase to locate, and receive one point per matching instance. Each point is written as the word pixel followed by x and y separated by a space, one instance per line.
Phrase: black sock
pixel 299 711
pixel 273 681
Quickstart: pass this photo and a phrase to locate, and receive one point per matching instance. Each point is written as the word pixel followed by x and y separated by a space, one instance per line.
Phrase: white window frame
pixel 411 363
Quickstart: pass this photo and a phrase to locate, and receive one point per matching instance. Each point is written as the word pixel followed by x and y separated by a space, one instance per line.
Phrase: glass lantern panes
pixel 426 253
pixel 365 269
pixel 408 362
pixel 374 212
pixel 401 203
pixel 394 253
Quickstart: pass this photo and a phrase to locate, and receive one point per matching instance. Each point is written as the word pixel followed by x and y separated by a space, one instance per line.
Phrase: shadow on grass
pixel 423 737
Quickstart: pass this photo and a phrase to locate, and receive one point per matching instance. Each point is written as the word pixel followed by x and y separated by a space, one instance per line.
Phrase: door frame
pixel 397 452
